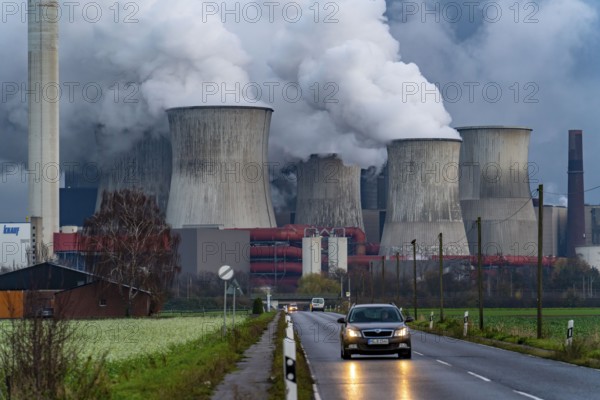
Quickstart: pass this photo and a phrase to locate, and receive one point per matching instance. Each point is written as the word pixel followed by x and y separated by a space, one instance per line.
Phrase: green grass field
pixel 519 326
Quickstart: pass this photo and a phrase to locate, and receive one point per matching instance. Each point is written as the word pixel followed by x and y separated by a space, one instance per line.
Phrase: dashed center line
pixel 527 395
pixel 443 362
pixel 416 352
pixel 483 378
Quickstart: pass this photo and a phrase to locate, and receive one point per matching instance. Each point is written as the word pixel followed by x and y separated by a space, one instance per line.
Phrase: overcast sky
pixel 530 64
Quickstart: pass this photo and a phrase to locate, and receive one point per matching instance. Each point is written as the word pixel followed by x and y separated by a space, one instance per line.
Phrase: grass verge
pixel 303 376
pixel 582 352
pixel 187 371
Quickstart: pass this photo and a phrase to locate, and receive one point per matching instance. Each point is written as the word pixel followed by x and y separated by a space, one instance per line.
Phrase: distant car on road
pixel 375 329
pixel 292 307
pixel 317 304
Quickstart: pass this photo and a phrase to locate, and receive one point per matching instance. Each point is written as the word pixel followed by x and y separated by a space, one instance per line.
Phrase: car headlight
pixel 352 332
pixel 401 332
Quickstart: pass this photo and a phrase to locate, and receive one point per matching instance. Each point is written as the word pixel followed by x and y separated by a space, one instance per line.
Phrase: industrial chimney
pixel 328 193
pixel 423 198
pixel 220 167
pixel 43 99
pixel 494 185
pixel 146 166
pixel 575 211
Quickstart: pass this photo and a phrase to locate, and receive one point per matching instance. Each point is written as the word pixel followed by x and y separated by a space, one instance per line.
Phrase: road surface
pixel 441 368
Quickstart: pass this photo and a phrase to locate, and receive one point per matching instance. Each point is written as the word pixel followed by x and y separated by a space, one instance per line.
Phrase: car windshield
pixel 318 301
pixel 374 314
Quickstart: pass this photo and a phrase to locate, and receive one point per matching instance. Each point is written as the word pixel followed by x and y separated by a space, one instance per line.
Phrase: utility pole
pixel 383 277
pixel 372 279
pixel 398 276
pixel 540 255
pixel 479 280
pixel 414 244
pixel 441 279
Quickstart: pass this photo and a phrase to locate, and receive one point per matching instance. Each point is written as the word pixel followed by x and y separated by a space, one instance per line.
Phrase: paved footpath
pixel 251 379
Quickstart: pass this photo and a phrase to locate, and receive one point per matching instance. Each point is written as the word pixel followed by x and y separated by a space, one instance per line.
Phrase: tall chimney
pixel 575 212
pixel 43 97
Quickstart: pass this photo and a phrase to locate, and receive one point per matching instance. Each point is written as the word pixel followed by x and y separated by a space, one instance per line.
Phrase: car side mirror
pixel 409 319
pixel 341 320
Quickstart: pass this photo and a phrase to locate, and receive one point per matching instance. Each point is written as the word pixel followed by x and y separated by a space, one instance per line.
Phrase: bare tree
pixel 129 242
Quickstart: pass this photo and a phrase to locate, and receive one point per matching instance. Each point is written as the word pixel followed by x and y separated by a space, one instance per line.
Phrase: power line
pixel 569 193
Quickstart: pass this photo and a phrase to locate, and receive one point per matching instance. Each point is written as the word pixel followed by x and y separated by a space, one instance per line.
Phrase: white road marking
pixel 483 378
pixel 416 352
pixel 527 395
pixel 443 362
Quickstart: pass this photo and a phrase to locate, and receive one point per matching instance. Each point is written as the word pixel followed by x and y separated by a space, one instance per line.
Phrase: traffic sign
pixel 226 272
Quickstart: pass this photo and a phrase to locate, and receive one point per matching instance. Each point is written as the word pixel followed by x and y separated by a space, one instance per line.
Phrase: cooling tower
pixel 328 193
pixel 494 185
pixel 423 198
pixel 575 211
pixel 145 166
pixel 220 167
pixel 43 97
pixel 369 188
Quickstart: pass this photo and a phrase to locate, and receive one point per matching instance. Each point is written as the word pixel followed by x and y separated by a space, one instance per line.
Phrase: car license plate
pixel 378 341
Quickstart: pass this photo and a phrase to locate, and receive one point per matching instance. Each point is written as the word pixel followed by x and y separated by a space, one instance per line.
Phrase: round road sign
pixel 226 272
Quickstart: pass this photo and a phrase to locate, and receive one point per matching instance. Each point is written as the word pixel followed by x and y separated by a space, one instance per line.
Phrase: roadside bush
pixel 40 359
pixel 257 306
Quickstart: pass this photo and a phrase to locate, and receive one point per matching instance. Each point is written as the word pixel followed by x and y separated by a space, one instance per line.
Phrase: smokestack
pixel 328 193
pixel 423 198
pixel 146 166
pixel 494 185
pixel 43 84
pixel 575 211
pixel 220 167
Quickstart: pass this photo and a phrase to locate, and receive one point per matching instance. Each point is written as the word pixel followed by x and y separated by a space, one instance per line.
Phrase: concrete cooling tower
pixel 494 185
pixel 423 198
pixel 43 137
pixel 328 193
pixel 146 166
pixel 220 167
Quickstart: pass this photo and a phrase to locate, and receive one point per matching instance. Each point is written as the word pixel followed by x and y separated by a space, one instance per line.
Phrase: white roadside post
pixel 431 320
pixel 289 328
pixel 289 361
pixel 225 273
pixel 466 327
pixel 570 333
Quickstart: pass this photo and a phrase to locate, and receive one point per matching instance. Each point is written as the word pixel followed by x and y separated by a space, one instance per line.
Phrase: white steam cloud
pixel 124 69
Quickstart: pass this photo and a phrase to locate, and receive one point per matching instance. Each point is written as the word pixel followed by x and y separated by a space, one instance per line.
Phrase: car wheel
pixel 405 354
pixel 344 354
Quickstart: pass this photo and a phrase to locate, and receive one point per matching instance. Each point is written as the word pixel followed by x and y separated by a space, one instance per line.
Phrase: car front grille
pixel 377 333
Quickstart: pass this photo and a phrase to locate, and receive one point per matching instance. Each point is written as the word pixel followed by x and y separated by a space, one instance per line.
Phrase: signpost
pixel 225 273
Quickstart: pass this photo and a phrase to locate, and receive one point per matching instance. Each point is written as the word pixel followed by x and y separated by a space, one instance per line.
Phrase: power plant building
pixel 423 199
pixel 494 185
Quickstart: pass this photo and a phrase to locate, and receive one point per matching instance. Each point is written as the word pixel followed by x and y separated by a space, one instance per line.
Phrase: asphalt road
pixel 441 368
